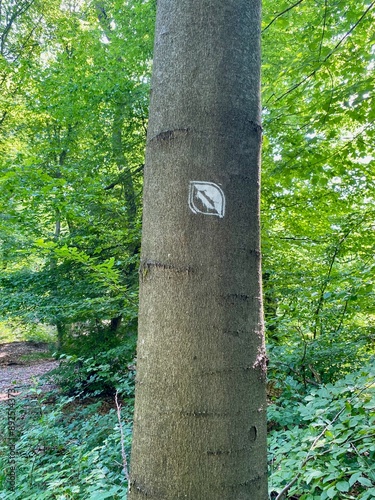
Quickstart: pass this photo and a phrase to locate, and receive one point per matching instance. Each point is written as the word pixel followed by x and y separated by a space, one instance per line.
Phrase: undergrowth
pixel 101 373
pixel 64 450
pixel 68 444
pixel 322 444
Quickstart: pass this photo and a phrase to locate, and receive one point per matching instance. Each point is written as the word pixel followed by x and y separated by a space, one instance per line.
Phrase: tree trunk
pixel 61 335
pixel 119 157
pixel 200 424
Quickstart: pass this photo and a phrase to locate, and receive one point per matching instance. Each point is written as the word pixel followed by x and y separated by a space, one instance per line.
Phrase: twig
pixel 328 278
pixel 123 453
pixel 349 32
pixel 281 14
pixel 310 75
pixel 324 28
pixel 309 456
pixel 123 177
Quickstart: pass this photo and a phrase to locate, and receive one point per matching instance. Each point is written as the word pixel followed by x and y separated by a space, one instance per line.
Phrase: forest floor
pixel 22 363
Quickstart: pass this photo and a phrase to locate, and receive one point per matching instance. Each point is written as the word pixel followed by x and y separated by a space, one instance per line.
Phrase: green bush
pixel 324 446
pixel 65 451
pixel 324 359
pixel 103 373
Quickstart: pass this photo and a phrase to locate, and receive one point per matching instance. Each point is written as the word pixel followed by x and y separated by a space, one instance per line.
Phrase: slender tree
pixel 199 430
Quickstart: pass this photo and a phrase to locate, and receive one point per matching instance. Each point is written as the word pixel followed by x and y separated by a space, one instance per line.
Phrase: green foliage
pixel 324 359
pixel 318 184
pixel 71 159
pixel 103 373
pixel 325 441
pixel 16 330
pixel 65 451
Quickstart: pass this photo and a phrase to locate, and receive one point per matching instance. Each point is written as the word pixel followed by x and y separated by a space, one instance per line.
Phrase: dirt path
pixel 21 364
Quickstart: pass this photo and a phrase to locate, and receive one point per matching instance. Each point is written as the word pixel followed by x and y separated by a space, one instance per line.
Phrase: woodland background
pixel 74 90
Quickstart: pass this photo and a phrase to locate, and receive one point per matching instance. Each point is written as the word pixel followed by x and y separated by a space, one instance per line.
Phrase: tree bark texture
pixel 200 424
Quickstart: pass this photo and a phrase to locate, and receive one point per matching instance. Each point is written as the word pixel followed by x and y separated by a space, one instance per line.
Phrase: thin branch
pixel 321 161
pixel 349 32
pixel 281 14
pixel 296 372
pixel 293 238
pixel 121 178
pixel 18 12
pixel 123 453
pixel 327 279
pixel 310 75
pixel 296 85
pixel 342 316
pixel 330 99
pixel 324 27
pixel 4 115
pixel 309 456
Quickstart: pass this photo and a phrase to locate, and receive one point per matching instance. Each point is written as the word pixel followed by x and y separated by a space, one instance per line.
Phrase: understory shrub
pixel 324 359
pixel 323 447
pixel 64 450
pixel 103 373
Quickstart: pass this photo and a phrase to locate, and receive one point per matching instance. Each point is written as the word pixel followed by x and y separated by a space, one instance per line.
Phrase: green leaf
pixel 354 478
pixel 343 486
pixel 364 481
pixel 331 492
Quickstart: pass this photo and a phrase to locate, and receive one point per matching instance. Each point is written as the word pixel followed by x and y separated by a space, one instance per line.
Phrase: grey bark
pixel 200 425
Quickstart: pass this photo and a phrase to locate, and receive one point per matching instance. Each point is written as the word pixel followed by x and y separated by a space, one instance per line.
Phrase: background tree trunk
pixel 200 424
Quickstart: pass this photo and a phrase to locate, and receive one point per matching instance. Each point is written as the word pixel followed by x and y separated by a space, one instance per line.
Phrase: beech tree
pixel 199 428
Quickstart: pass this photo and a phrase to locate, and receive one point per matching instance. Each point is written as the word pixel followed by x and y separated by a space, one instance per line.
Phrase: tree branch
pixel 281 14
pixel 293 238
pixel 327 279
pixel 123 453
pixel 324 27
pixel 342 316
pixel 123 177
pixel 17 12
pixel 286 488
pixel 349 32
pixel 310 75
